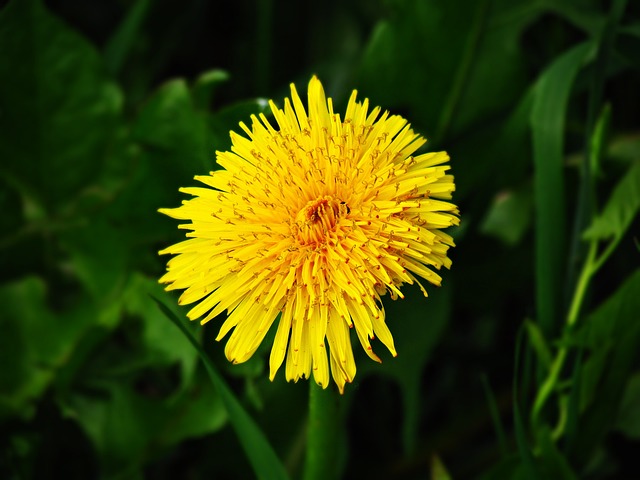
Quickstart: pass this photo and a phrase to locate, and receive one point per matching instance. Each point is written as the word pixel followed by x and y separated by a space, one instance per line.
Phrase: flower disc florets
pixel 309 223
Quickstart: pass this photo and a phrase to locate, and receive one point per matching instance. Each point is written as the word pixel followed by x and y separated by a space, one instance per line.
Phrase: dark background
pixel 106 110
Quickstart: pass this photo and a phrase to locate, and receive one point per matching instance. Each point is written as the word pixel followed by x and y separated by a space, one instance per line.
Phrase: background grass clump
pixel 525 364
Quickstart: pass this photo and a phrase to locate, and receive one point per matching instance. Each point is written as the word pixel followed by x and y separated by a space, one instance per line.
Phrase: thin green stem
pixel 551 381
pixel 322 436
pixel 583 283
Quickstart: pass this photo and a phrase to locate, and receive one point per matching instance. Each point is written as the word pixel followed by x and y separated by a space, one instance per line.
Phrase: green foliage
pixel 547 124
pixel 263 460
pixel 104 116
pixel 54 89
pixel 620 210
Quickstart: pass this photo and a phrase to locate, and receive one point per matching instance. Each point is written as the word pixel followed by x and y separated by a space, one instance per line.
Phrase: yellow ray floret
pixel 309 221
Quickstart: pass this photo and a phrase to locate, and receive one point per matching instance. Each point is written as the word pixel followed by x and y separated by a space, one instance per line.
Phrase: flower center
pixel 318 218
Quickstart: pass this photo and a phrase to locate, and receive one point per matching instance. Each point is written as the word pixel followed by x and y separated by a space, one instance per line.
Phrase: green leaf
pixel 495 415
pixel 551 97
pixel 510 468
pixel 438 470
pixel 509 217
pixel 39 341
pixel 99 258
pixel 470 66
pixel 620 210
pixel 127 427
pixel 164 346
pixel 529 467
pixel 614 329
pixel 263 459
pixel 205 85
pixel 554 464
pixel 539 343
pixel 174 133
pixel 628 421
pixel 59 108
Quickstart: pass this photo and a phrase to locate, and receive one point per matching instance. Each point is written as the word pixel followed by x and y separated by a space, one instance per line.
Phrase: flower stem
pixel 322 436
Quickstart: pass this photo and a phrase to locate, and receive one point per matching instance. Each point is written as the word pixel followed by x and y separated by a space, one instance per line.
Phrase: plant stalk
pixel 322 436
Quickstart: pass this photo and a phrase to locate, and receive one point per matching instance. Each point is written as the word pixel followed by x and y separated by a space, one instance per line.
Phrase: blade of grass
pixel 464 66
pixel 526 456
pixel 548 124
pixel 495 416
pixel 539 344
pixel 119 45
pixel 263 459
pixel 556 465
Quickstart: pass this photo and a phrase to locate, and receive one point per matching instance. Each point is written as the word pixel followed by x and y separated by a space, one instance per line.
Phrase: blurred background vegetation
pixel 107 107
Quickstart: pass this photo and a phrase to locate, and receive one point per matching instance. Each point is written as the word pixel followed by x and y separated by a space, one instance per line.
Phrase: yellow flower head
pixel 309 224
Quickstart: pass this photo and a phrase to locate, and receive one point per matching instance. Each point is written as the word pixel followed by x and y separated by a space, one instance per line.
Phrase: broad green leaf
pixel 174 144
pixel 470 66
pixel 264 461
pixel 509 216
pixel 174 134
pixel 127 427
pixel 39 341
pixel 158 335
pixel 551 97
pixel 99 257
pixel 620 210
pixel 59 108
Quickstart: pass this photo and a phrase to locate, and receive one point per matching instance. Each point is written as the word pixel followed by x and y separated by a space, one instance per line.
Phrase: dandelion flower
pixel 307 224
